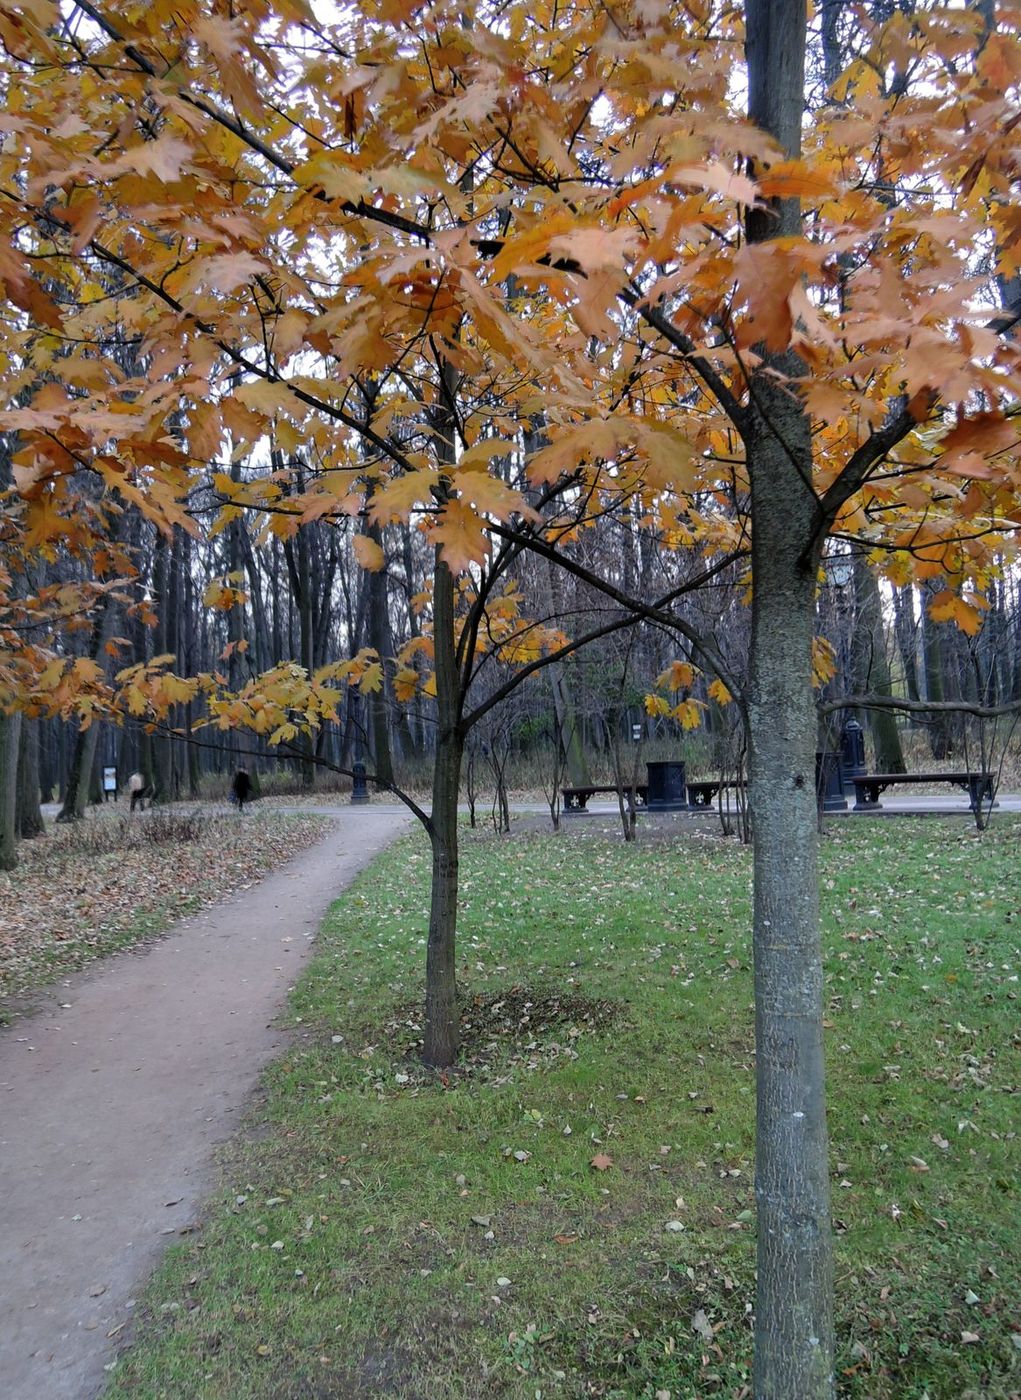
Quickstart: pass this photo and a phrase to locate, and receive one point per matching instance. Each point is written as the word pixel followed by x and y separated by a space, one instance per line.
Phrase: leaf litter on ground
pixel 90 887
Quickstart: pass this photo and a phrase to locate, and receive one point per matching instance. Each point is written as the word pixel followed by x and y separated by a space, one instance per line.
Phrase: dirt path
pixel 110 1107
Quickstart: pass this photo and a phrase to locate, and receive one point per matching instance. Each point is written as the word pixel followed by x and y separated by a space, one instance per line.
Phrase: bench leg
pixel 867 798
pixel 980 790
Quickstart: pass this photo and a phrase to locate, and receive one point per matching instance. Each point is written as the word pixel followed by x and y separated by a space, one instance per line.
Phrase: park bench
pixel 575 798
pixel 702 793
pixel 867 788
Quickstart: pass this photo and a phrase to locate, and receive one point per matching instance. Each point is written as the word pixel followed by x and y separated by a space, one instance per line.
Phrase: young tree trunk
pixel 296 552
pixel 380 637
pixel 441 1019
pixel 165 641
pixel 793 1331
pixel 10 733
pixel 793 1314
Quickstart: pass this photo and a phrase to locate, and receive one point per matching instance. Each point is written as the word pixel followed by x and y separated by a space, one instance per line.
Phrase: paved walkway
pixel 111 1106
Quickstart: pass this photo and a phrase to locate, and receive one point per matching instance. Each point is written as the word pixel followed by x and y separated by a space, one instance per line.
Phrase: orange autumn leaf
pixel 458 531
pixel 368 553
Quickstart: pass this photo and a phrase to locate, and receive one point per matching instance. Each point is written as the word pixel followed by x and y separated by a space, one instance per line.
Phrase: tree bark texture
pixel 441 1017
pixel 30 817
pixel 870 667
pixel 380 637
pixel 794 1303
pixel 165 641
pixel 10 732
pixel 793 1337
pixel 906 633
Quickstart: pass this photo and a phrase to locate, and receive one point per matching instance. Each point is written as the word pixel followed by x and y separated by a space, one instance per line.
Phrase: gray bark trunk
pixel 793 1316
pixel 793 1333
pixel 80 776
pixel 30 817
pixel 10 732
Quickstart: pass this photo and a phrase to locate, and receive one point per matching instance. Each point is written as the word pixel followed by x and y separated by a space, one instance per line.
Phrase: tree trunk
pixel 49 738
pixel 905 630
pixel 381 639
pixel 162 588
pixel 10 732
pixel 870 667
pixel 76 794
pixel 296 552
pixel 30 817
pixel 794 1301
pixel 441 1018
pixel 80 776
pixel 793 1334
pixel 933 670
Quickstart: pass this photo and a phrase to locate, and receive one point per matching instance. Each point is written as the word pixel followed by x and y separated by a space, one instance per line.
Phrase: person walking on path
pixel 138 789
pixel 241 788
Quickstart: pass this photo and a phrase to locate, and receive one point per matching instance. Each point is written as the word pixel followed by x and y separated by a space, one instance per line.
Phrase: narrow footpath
pixel 114 1096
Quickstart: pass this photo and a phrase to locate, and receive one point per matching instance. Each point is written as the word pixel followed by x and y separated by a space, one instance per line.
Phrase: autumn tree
pixel 542 214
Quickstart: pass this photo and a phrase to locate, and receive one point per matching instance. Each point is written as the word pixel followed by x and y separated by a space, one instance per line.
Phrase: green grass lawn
pixel 572 1213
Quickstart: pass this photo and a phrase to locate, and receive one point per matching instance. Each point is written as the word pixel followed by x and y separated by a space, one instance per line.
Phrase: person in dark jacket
pixel 241 788
pixel 138 790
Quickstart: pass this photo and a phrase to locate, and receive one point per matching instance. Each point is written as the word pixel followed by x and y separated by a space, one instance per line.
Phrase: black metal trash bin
pixel 668 790
pixel 359 789
pixel 829 788
pixel 852 754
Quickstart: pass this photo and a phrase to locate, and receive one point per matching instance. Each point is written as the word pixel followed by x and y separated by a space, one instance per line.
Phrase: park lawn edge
pixel 387 1231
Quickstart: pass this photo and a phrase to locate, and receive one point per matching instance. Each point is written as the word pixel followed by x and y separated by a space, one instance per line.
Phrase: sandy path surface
pixel 111 1105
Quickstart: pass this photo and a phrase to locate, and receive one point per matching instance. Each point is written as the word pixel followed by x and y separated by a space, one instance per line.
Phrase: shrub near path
pixel 571 1213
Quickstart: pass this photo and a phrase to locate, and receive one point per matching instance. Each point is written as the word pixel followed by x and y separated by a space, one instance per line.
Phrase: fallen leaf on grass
pixel 601 1162
pixel 701 1324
